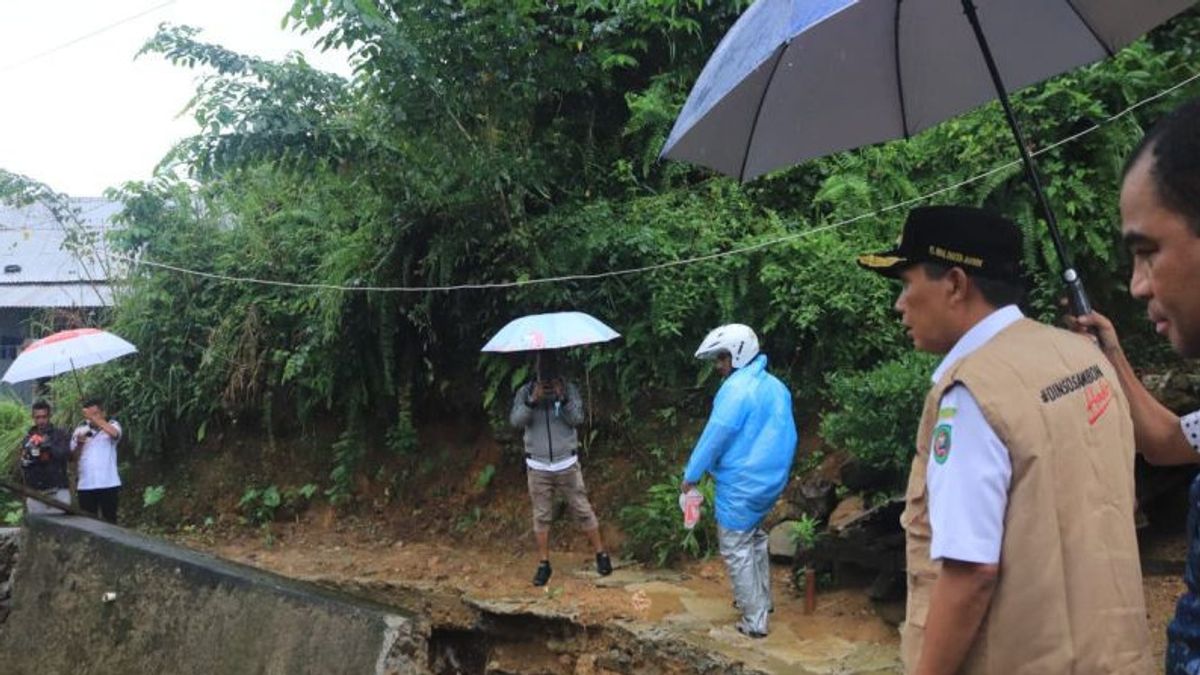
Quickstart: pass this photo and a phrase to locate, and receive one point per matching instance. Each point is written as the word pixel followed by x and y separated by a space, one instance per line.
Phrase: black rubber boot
pixel 543 574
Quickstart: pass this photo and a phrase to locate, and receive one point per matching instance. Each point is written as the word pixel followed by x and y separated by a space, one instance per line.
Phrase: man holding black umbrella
pixel 1160 222
pixel 1021 549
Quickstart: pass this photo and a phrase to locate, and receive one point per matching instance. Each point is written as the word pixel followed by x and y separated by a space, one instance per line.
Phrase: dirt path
pixel 693 604
pixel 452 584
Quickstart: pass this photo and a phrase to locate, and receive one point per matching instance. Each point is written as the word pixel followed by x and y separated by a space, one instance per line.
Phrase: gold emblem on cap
pixel 879 260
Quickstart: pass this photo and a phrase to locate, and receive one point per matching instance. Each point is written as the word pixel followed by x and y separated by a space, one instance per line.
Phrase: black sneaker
pixel 603 564
pixel 543 574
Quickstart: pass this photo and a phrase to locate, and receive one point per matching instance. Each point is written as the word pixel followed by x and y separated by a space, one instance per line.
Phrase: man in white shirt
pixel 94 446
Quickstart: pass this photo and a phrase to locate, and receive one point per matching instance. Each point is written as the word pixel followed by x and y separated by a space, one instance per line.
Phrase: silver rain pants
pixel 746 558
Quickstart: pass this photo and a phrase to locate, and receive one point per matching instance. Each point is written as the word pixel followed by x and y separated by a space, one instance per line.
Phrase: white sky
pixel 88 116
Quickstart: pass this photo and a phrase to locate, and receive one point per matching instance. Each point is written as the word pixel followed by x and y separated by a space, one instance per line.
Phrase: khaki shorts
pixel 545 486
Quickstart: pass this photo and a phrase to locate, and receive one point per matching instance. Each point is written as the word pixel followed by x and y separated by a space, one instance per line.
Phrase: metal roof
pixel 91 212
pixel 55 295
pixel 42 264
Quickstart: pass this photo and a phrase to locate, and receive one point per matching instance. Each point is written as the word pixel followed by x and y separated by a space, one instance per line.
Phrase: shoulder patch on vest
pixel 941 443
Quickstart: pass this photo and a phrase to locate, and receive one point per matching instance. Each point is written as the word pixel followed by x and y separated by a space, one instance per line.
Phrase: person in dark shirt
pixel 45 451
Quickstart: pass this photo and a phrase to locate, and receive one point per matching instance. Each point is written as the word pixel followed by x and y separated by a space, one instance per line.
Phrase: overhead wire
pixel 87 36
pixel 643 269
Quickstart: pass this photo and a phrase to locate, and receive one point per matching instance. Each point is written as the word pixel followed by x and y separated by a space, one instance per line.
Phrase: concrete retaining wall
pixel 92 598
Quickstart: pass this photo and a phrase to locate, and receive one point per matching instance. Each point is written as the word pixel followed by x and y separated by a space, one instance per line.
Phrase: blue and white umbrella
pixel 556 330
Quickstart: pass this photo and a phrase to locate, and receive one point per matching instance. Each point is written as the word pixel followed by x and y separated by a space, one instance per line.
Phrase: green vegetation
pixel 654 528
pixel 878 410
pixel 14 421
pixel 261 506
pixel 153 494
pixel 484 142
pixel 806 532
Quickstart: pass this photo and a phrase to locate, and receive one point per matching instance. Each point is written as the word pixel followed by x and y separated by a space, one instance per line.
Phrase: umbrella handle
pixel 1076 294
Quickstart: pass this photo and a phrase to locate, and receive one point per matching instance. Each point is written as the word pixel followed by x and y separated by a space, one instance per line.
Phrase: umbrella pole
pixel 78 384
pixel 1075 291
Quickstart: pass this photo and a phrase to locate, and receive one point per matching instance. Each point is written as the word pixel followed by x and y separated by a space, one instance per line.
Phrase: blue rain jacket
pixel 747 445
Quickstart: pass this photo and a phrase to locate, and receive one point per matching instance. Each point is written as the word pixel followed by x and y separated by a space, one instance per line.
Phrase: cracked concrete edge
pixel 399 654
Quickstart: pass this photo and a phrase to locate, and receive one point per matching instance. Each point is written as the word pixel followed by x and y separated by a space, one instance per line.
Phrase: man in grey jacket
pixel 549 408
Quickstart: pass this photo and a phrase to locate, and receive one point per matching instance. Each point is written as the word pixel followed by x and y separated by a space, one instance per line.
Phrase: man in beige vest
pixel 1020 539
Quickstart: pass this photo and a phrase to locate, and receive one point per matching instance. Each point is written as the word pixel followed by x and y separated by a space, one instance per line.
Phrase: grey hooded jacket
pixel 549 425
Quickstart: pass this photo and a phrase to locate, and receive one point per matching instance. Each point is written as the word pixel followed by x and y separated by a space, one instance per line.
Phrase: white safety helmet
pixel 737 339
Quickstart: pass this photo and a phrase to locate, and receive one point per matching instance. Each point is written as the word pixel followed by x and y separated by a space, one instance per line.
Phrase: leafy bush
pixel 348 453
pixel 153 494
pixel 654 528
pixel 14 421
pixel 878 411
pixel 258 505
pixel 806 532
pixel 263 505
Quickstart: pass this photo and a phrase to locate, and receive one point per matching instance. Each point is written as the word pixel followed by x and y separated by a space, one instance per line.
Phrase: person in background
pixel 549 408
pixel 1160 223
pixel 45 452
pixel 747 446
pixel 94 446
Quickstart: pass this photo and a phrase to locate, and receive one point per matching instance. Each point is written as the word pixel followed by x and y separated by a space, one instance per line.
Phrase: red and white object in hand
pixel 689 503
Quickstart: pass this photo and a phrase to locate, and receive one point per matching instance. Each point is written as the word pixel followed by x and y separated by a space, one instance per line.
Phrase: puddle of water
pixel 658 599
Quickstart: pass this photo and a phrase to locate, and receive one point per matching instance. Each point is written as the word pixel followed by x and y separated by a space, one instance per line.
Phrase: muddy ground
pixel 448 581
pixel 459 549
pixel 843 635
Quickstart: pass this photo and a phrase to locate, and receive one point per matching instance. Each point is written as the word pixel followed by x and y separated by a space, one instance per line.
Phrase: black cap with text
pixel 980 242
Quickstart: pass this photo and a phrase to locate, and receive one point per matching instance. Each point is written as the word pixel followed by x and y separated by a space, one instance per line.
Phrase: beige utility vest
pixel 1069 595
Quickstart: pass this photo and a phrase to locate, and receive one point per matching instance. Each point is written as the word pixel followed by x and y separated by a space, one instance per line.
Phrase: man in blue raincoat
pixel 747 446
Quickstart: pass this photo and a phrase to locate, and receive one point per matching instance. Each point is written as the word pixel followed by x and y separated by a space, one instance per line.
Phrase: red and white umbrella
pixel 66 351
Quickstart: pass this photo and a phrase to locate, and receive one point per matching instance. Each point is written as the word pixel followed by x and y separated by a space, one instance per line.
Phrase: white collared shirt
pixel 1190 424
pixel 969 468
pixel 98 460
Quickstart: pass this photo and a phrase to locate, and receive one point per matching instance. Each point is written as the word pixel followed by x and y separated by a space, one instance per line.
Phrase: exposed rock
pixel 848 510
pixel 1178 389
pixel 10 539
pixel 781 543
pixel 819 497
